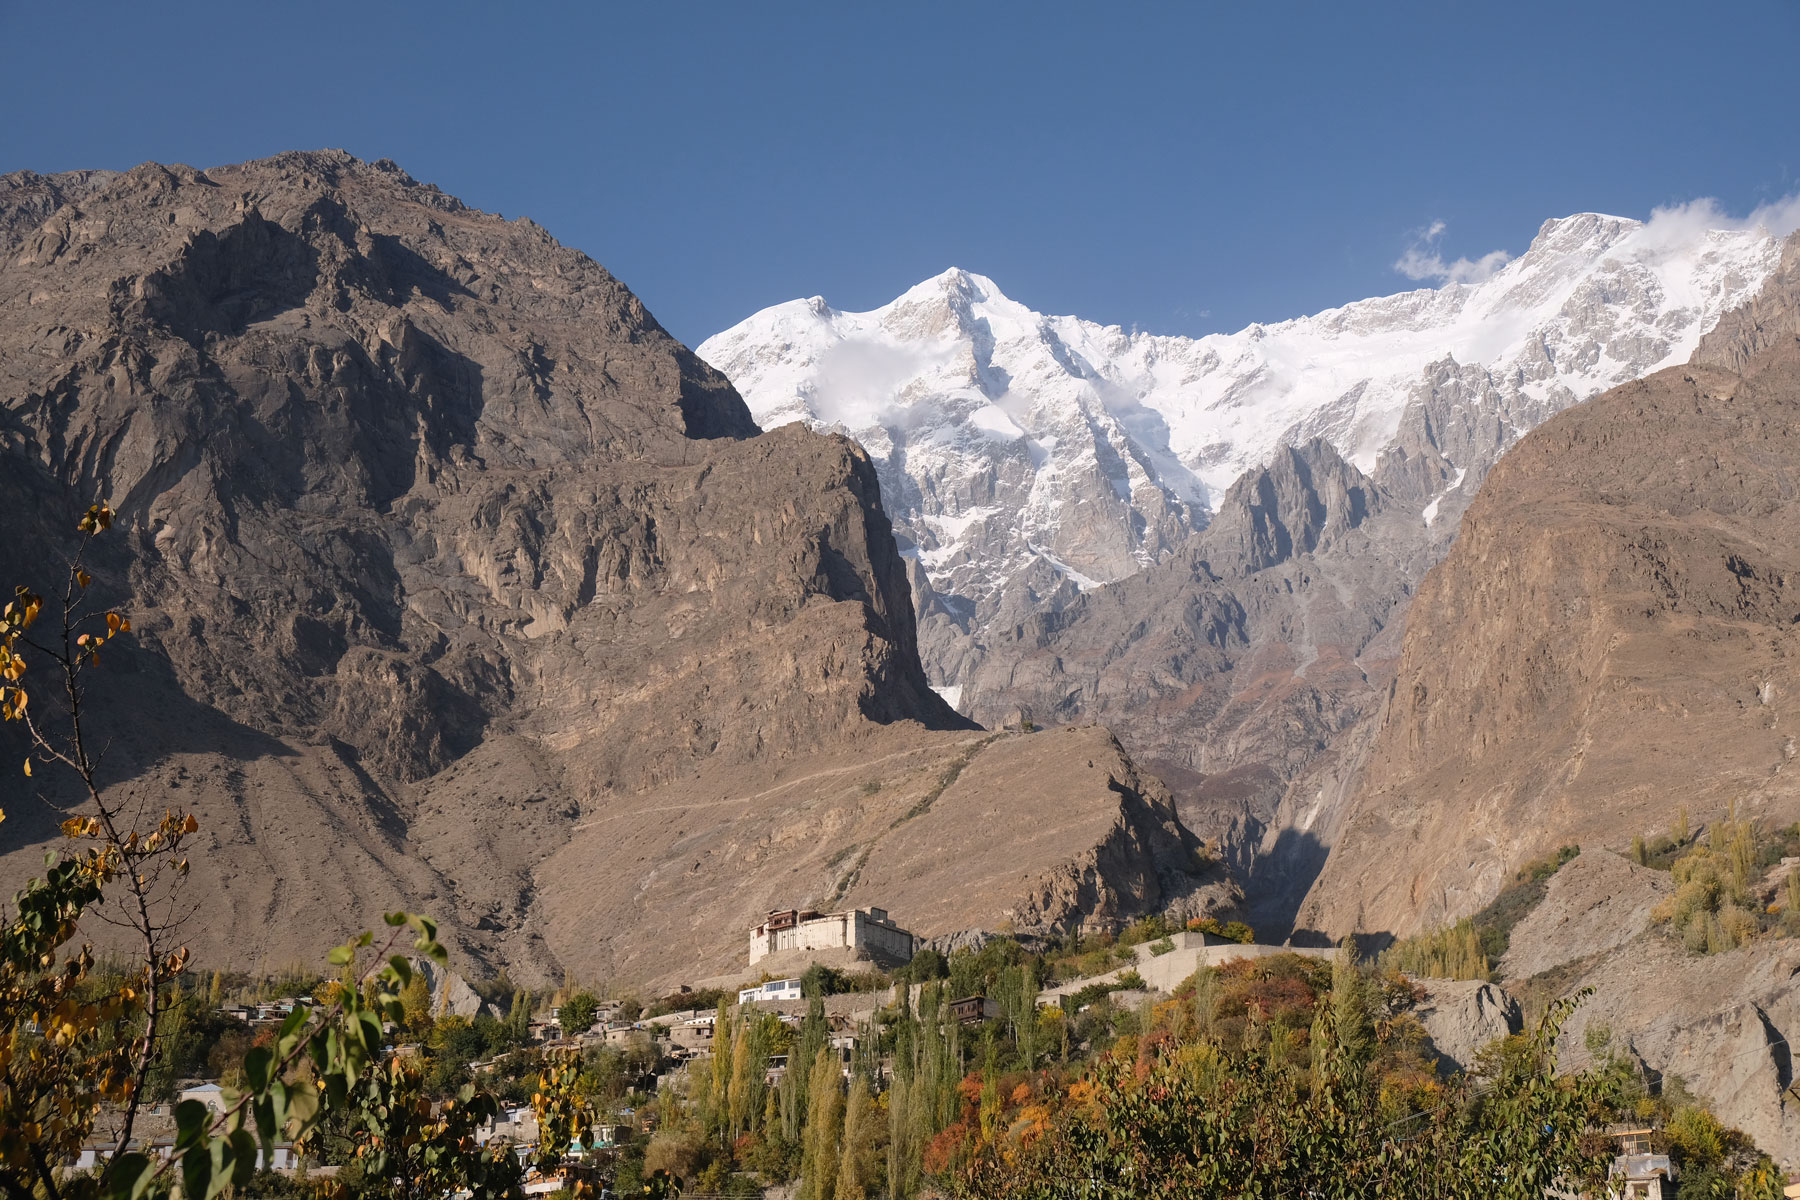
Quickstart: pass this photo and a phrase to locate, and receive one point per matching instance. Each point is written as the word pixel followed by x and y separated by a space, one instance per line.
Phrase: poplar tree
pixel 719 1090
pixel 749 1072
pixel 819 1163
pixel 1350 1003
pixel 794 1084
pixel 1026 1023
pixel 856 1167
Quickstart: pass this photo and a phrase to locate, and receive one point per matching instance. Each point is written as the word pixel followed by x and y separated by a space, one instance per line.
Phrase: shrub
pixel 1452 953
pixel 1712 910
pixel 1235 931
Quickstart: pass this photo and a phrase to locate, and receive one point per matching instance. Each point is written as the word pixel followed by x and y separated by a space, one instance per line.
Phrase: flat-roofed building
pixel 867 932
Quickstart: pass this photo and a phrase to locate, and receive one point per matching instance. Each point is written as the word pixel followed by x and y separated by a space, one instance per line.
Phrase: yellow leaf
pixel 82 577
pixel 28 766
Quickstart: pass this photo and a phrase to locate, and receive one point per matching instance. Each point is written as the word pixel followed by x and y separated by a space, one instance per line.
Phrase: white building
pixel 209 1094
pixel 775 989
pixel 867 931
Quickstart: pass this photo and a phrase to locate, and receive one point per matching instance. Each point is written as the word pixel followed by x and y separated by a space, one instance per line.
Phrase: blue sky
pixel 1179 167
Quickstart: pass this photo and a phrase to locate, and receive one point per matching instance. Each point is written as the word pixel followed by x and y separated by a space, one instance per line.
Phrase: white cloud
pixel 1669 230
pixel 1680 224
pixel 1422 260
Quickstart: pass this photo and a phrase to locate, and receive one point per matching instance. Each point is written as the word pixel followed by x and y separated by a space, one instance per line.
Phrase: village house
pixel 775 989
pixel 973 1010
pixel 694 1035
pixel 868 932
pixel 1639 1172
pixel 209 1094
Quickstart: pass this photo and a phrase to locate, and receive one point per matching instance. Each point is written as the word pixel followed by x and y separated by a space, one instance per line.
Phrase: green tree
pixel 1351 1004
pixel 856 1160
pixel 716 1111
pixel 819 1164
pixel 415 1005
pixel 578 1012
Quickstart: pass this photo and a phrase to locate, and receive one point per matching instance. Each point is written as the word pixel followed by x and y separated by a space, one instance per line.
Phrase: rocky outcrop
pixel 451 994
pixel 1463 1016
pixel 1747 336
pixel 1597 902
pixel 1723 1023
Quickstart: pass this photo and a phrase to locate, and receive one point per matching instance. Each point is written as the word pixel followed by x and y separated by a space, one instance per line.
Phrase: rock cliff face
pixel 1721 1023
pixel 1613 633
pixel 436 545
pixel 1463 1016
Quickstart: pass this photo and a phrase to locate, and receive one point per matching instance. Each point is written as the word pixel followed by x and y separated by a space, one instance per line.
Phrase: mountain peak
pixel 1006 438
pixel 959 287
pixel 1581 230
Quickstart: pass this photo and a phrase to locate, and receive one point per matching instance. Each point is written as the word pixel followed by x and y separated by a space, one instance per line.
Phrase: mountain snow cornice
pixel 1027 457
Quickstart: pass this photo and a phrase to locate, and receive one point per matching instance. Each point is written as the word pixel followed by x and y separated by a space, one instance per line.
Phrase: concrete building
pixel 775 989
pixel 868 932
pixel 209 1094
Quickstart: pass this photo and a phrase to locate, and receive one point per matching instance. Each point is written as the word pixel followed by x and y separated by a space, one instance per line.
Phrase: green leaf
pixel 266 1124
pixel 256 1068
pixel 191 1120
pixel 394 919
pixel 131 1176
pixel 197 1168
pixel 340 956
pixel 243 1160
pixel 302 1106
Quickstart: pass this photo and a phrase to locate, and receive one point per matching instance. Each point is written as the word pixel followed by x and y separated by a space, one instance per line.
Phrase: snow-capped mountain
pixel 1026 456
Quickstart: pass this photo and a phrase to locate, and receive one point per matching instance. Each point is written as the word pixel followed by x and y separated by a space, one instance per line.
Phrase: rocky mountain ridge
pixel 440 550
pixel 1029 458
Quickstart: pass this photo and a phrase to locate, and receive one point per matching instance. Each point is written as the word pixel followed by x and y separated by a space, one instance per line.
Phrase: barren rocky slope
pixel 1613 634
pixel 436 545
pixel 1034 834
pixel 1722 1023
